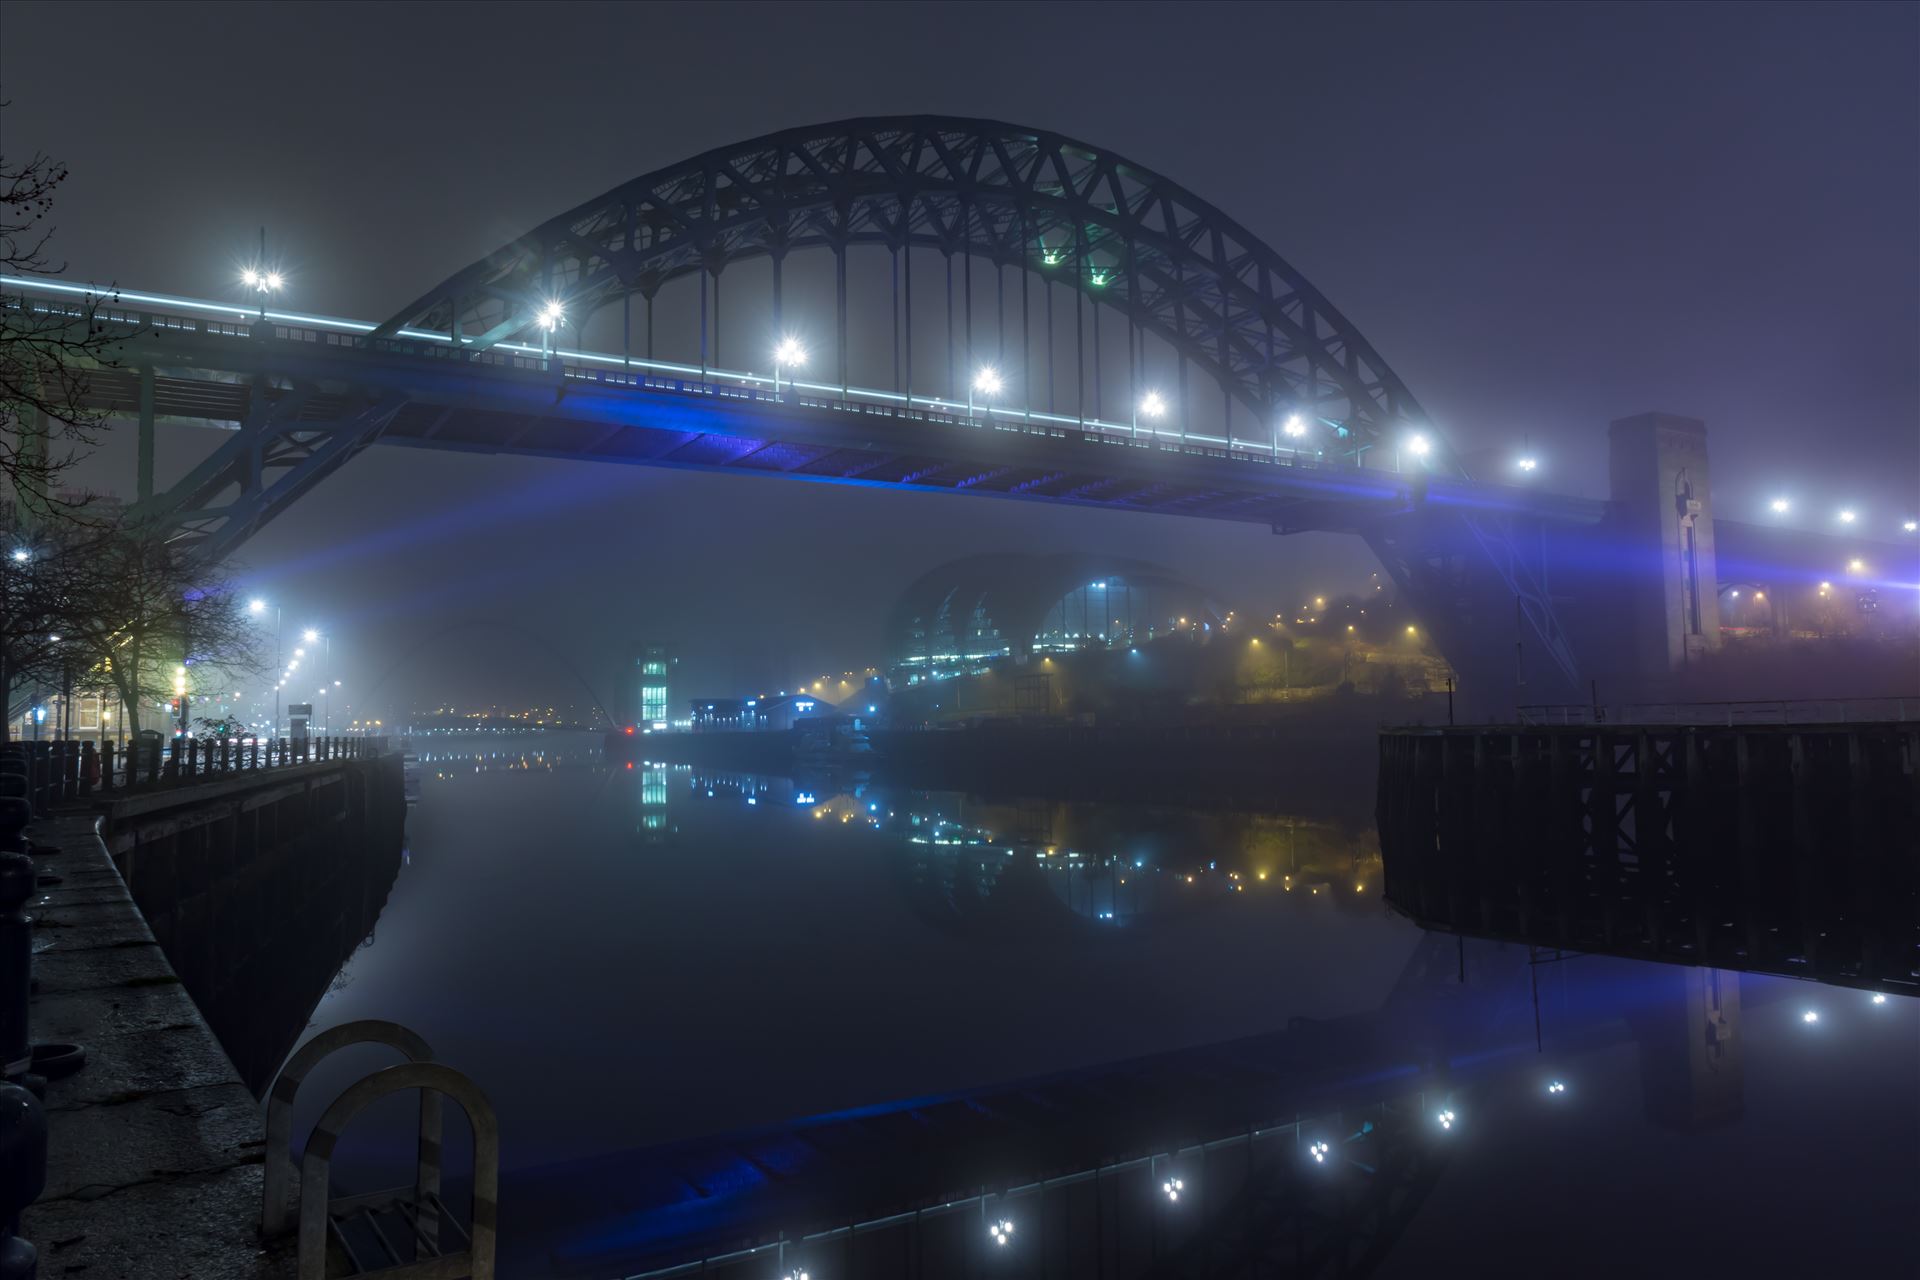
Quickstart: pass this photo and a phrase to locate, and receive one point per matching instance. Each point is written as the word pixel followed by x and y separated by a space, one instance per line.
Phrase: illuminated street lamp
pixel 1002 1232
pixel 551 315
pixel 787 352
pixel 262 279
pixel 22 555
pixel 987 382
pixel 1418 445
pixel 1911 526
pixel 1847 515
pixel 1172 1188
pixel 1780 506
pixel 1528 464
pixel 1295 426
pixel 1153 405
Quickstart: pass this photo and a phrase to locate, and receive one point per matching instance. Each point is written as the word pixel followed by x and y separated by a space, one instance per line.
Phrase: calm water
pixel 627 957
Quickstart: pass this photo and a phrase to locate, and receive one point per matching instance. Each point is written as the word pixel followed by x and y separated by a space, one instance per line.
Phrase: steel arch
pixel 1116 231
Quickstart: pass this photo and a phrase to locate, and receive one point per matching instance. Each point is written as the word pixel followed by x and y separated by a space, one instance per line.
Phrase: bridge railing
pixel 1765 711
pixel 626 371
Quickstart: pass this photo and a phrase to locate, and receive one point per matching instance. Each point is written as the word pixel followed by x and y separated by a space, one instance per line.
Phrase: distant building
pixel 653 683
pixel 718 715
pixel 965 615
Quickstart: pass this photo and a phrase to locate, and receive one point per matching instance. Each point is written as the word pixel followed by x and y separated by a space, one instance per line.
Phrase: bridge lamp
pixel 1295 426
pixel 1318 1150
pixel 1879 997
pixel 1847 515
pixel 987 382
pixel 1856 566
pixel 787 352
pixel 1002 1232
pixel 1172 1188
pixel 1446 1118
pixel 551 315
pixel 1528 464
pixel 1557 1086
pixel 1780 506
pixel 1810 1017
pixel 1911 526
pixel 21 556
pixel 1419 445
pixel 311 636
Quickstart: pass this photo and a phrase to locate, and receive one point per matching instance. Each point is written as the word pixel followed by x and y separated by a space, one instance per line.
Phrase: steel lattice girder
pixel 1117 232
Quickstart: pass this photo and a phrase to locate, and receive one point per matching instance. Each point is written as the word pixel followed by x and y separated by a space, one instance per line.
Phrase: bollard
pixel 23 1176
pixel 89 769
pixel 16 959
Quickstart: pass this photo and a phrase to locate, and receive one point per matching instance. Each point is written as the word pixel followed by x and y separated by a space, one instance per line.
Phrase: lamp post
pixel 258 608
pixel 1150 404
pixel 987 383
pixel 551 316
pixel 788 352
pixel 260 278
pixel 312 635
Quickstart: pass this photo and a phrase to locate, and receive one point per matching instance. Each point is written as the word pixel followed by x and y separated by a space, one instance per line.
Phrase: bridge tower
pixel 1665 530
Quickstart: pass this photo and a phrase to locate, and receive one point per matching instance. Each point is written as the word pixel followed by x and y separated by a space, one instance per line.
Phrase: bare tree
pixel 47 349
pixel 157 625
pixel 100 606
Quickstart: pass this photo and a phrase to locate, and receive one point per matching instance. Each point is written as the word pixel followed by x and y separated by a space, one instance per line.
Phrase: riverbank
pixel 154 1147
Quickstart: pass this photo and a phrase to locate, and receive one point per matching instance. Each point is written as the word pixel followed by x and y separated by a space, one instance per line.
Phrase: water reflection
pixel 665 933
pixel 976 863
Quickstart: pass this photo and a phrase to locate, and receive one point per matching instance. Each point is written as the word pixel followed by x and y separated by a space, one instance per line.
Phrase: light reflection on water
pixel 624 956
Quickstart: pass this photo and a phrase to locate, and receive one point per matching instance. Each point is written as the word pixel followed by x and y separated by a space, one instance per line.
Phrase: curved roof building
pixel 969 612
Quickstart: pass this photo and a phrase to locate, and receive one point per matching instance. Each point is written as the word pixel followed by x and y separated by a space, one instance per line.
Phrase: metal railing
pixel 1763 711
pixel 67 770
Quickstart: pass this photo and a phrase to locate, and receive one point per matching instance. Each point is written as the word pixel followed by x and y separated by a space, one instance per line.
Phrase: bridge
pixel 1223 386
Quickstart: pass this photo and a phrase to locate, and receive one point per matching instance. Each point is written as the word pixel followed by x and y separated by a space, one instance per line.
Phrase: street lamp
pixel 1419 445
pixel 987 382
pixel 21 555
pixel 1528 464
pixel 1911 526
pixel 1780 506
pixel 1152 405
pixel 550 317
pixel 788 352
pixel 1295 426
pixel 1847 515
pixel 258 608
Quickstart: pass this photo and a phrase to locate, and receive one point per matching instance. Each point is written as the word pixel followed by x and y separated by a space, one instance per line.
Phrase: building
pixel 720 715
pixel 652 685
pixel 968 614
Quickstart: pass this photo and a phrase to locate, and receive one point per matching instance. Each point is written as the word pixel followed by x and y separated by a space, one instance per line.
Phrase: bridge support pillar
pixel 1665 535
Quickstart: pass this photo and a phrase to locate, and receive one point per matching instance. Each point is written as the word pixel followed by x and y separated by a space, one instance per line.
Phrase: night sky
pixel 1543 217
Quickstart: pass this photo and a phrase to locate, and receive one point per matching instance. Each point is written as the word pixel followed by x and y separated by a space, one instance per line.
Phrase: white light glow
pixel 1528 464
pixel 1810 1016
pixel 1419 445
pixel 1152 405
pixel 1879 997
pixel 1780 506
pixel 1848 516
pixel 987 382
pixel 790 352
pixel 1296 426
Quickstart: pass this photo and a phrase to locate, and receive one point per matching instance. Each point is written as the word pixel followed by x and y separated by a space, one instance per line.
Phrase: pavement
pixel 155 1146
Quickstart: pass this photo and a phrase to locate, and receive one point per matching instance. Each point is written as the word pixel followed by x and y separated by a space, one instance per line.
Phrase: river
pixel 623 957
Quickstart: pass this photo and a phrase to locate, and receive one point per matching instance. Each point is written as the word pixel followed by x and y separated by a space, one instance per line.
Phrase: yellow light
pixel 1409 630
pixel 1349 626
pixel 1855 566
pixel 1263 875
